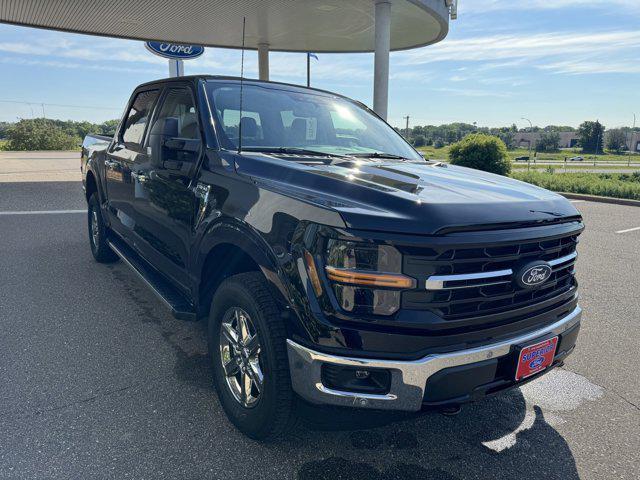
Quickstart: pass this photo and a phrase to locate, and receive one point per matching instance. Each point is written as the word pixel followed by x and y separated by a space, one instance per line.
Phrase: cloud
pixel 75 65
pixel 581 67
pixel 517 46
pixel 483 6
pixel 573 53
pixel 129 55
pixel 470 92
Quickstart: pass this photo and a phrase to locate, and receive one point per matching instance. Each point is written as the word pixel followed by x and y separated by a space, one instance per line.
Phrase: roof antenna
pixel 244 21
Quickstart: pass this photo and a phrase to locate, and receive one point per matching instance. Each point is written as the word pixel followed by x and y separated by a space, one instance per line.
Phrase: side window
pixel 137 117
pixel 178 115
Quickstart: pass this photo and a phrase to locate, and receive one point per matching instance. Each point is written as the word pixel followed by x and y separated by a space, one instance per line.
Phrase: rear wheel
pixel 247 343
pixel 97 233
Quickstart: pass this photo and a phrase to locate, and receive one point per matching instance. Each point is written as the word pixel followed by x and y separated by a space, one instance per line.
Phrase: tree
pixel 418 141
pixel 109 127
pixel 4 129
pixel 482 152
pixel 559 128
pixel 508 138
pixel 591 137
pixel 39 134
pixel 548 142
pixel 616 140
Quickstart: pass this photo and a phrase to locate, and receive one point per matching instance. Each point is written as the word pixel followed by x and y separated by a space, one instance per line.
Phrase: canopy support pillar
pixel 176 67
pixel 263 61
pixel 381 59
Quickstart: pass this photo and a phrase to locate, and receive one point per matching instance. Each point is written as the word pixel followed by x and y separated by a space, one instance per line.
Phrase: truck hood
pixel 426 198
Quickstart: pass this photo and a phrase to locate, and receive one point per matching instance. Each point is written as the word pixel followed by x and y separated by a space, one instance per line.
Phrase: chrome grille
pixel 470 282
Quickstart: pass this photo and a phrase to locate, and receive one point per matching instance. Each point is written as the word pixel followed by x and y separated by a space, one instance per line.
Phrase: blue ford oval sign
pixel 175 50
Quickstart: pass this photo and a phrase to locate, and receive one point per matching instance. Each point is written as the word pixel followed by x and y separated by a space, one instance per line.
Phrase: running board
pixel 179 305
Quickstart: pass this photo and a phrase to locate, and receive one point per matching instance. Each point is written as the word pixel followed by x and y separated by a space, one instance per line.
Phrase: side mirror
pixel 184 153
pixel 182 144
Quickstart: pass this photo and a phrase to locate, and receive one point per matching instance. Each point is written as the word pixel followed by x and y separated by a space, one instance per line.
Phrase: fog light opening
pixel 356 379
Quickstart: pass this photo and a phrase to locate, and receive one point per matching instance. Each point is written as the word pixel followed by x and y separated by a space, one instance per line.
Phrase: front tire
pixel 98 233
pixel 247 343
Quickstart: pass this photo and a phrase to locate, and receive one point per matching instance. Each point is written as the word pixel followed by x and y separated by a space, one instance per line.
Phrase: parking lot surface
pixel 97 380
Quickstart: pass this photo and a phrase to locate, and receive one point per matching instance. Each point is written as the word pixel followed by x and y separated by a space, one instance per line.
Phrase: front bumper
pixel 409 379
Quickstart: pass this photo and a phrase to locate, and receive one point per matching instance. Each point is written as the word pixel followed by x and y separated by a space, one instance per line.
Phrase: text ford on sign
pixel 174 50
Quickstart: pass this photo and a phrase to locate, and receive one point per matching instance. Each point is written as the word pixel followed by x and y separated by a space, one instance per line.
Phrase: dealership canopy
pixel 333 26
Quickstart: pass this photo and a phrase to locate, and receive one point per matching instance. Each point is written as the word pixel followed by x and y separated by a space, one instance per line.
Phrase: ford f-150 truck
pixel 333 264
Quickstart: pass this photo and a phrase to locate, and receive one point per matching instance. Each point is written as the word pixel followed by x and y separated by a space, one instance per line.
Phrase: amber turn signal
pixel 313 273
pixel 355 277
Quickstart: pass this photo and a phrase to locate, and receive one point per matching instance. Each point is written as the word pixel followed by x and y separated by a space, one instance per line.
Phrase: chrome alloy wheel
pixel 95 229
pixel 240 357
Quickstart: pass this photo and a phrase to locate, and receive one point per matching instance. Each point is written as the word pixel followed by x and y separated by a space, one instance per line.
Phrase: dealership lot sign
pixel 175 51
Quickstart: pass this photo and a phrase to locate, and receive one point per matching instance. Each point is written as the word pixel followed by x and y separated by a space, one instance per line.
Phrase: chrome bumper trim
pixel 408 378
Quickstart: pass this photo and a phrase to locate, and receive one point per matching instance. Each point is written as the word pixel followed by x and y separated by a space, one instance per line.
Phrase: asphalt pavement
pixel 97 380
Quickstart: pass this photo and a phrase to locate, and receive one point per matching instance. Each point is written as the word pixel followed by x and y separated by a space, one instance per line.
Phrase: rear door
pixel 122 156
pixel 167 205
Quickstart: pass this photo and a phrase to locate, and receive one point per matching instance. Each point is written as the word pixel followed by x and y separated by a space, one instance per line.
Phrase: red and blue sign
pixel 535 358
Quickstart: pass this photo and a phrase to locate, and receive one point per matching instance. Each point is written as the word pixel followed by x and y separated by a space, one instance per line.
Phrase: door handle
pixel 109 164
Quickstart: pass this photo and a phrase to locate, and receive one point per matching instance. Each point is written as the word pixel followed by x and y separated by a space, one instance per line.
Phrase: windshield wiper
pixel 378 155
pixel 292 151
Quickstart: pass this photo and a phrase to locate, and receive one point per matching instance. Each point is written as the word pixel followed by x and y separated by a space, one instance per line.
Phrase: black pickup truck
pixel 333 264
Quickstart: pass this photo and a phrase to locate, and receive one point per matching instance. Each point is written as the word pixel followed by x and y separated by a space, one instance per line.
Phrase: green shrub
pixel 604 184
pixel 482 152
pixel 39 134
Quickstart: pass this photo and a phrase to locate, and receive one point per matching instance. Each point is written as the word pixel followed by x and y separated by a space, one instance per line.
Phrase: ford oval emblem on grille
pixel 533 274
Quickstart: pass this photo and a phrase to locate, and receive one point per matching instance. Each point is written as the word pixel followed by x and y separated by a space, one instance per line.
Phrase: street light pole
pixel 631 139
pixel 530 131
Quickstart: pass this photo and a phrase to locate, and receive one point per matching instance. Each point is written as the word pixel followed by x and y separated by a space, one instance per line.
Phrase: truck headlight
pixel 366 277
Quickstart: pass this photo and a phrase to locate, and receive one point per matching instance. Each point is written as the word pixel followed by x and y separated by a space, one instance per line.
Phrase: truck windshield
pixel 277 119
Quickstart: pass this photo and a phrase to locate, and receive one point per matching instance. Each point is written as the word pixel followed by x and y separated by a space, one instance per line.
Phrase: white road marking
pixel 628 230
pixel 42 212
pixel 577 201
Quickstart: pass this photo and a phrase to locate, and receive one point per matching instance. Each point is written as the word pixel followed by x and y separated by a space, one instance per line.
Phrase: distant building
pixel 634 142
pixel 569 140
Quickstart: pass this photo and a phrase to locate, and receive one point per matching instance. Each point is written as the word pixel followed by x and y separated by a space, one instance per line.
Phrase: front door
pixel 120 163
pixel 167 205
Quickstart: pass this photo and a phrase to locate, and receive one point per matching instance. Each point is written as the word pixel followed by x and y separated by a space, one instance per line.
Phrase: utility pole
pixel 406 131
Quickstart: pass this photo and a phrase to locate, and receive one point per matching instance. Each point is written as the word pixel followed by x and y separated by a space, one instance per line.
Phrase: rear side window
pixel 138 116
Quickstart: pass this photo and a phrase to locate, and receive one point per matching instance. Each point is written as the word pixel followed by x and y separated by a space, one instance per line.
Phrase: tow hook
pixel 451 410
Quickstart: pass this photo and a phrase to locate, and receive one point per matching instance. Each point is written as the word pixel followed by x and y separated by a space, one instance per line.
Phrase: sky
pixel 555 62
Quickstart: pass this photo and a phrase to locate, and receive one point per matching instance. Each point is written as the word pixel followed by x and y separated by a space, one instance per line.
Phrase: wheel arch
pixel 91 185
pixel 230 248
